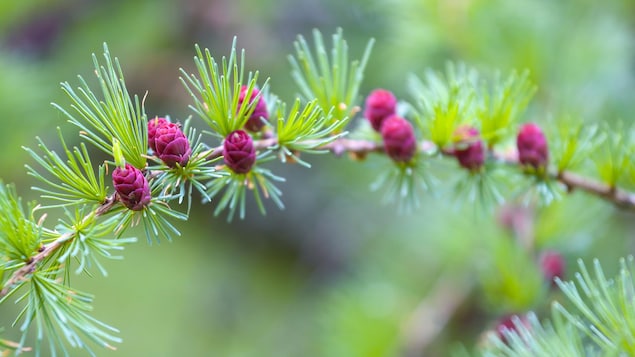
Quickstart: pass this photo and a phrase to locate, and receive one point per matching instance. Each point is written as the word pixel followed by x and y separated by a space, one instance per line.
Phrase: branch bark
pixel 621 198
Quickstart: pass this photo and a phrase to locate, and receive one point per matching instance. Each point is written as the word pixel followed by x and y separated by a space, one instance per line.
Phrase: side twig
pixel 23 273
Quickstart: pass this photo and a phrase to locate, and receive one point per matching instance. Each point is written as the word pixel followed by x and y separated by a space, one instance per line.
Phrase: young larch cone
pixel 552 266
pixel 399 138
pixel 532 146
pixel 132 187
pixel 254 123
pixel 239 152
pixel 469 149
pixel 171 145
pixel 380 104
pixel 153 124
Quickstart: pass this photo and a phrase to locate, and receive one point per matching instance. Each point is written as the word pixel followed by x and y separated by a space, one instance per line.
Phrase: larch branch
pixel 23 273
pixel 360 148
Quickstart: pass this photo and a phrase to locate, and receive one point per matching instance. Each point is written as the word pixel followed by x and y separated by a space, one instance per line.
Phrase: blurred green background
pixel 336 273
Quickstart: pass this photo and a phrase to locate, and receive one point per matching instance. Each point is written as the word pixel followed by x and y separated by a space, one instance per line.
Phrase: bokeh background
pixel 337 273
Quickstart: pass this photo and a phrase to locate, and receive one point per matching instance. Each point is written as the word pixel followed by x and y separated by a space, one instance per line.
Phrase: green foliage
pixel 607 314
pixel 217 91
pixel 540 189
pixel 510 279
pixel 76 182
pixel 600 321
pixel 613 157
pixel 501 103
pixel 574 143
pixel 332 81
pixel 91 242
pixel 234 189
pixel 61 314
pixel 114 116
pixel 19 235
pixel 216 100
pixel 178 182
pixel 444 101
pixel 403 183
pixel 50 305
pixel 485 187
pixel 42 259
pixel 549 339
pixel 305 130
pixel 155 218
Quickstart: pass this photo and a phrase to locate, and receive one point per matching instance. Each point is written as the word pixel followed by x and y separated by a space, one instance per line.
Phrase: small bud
pixel 532 146
pixel 239 152
pixel 171 145
pixel 380 104
pixel 552 266
pixel 254 123
pixel 153 124
pixel 469 148
pixel 399 138
pixel 506 323
pixel 132 187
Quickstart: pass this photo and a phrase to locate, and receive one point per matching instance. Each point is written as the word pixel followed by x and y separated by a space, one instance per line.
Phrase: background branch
pixel 432 314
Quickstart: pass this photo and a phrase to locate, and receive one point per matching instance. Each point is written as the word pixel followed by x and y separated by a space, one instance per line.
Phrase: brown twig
pixel 24 272
pixel 621 198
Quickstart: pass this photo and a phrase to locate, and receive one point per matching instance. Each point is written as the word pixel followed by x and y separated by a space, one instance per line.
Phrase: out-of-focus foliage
pixel 599 323
pixel 335 274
